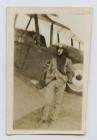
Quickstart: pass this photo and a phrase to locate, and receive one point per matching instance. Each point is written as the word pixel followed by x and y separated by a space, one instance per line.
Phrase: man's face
pixel 60 51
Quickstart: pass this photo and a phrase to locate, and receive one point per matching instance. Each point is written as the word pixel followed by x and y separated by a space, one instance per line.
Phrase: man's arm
pixel 61 76
pixel 51 72
pixel 69 66
pixel 69 70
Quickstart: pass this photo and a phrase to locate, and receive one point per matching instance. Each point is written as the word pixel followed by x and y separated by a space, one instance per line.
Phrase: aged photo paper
pixel 48 51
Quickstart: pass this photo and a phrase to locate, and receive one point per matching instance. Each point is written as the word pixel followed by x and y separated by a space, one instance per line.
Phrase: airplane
pixel 32 53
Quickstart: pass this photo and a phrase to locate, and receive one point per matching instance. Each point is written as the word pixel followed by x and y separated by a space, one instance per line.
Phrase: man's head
pixel 60 49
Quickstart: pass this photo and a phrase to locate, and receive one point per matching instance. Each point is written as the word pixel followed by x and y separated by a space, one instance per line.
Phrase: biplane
pixel 34 46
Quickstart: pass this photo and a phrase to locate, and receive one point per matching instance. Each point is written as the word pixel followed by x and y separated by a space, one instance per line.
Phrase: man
pixel 64 63
pixel 58 73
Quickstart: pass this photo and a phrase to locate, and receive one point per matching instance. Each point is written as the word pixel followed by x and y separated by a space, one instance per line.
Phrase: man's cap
pixel 59 45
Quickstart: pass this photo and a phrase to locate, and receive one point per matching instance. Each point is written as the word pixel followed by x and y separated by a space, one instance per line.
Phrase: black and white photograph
pixel 47 69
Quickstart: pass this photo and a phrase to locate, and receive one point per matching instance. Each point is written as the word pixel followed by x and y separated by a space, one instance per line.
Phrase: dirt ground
pixel 69 119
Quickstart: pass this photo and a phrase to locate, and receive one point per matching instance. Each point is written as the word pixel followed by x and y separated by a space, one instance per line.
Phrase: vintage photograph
pixel 47 69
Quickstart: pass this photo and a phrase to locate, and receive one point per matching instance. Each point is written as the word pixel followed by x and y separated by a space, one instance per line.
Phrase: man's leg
pixel 49 92
pixel 58 100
